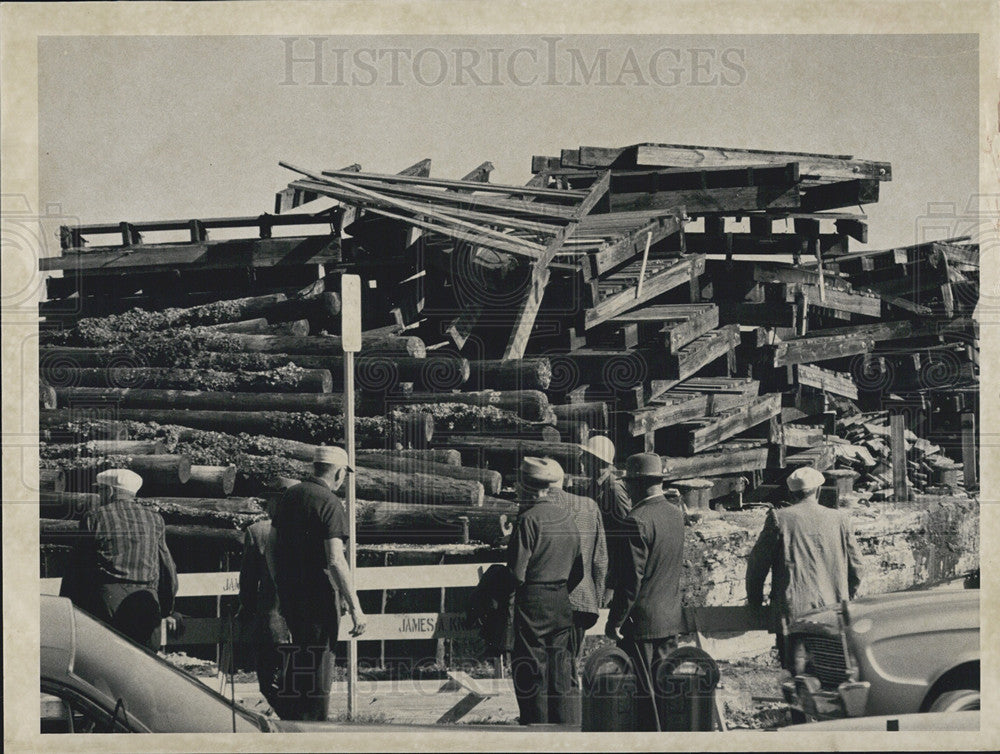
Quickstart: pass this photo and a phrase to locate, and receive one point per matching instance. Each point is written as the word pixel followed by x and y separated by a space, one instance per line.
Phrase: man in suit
pixel 646 608
pixel 123 572
pixel 611 496
pixel 809 550
pixel 544 558
pixel 259 615
pixel 586 598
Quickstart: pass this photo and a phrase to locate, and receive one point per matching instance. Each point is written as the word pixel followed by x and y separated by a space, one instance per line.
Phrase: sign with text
pixel 350 313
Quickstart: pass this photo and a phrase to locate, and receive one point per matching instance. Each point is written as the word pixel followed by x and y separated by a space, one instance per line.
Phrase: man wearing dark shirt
pixel 604 488
pixel 544 558
pixel 647 605
pixel 123 572
pixel 305 555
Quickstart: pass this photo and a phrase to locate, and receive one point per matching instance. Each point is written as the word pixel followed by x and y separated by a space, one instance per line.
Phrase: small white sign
pixel 350 312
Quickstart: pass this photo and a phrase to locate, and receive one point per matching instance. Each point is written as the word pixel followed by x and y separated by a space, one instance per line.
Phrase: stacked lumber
pixel 610 294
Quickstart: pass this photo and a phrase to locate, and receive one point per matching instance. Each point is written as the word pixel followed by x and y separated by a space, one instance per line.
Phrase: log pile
pixel 620 291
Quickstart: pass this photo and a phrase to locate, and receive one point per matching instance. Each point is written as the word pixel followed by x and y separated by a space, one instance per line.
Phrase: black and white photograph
pixel 483 376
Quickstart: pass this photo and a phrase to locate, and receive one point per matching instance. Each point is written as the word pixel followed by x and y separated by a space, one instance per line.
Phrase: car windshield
pixel 164 698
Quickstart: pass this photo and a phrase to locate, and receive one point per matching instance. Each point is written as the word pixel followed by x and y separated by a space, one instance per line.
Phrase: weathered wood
pixel 676 324
pixel 163 471
pixel 261 326
pixel 328 345
pixel 897 449
pixel 698 436
pixel 705 349
pixel 723 393
pixel 491 480
pixel 517 374
pixel 179 538
pixel 826 380
pixel 855 302
pixel 46 396
pixel 666 278
pixel 257 474
pixel 505 454
pixel 818 348
pixel 530 405
pixel 210 481
pixel 52 480
pixel 970 458
pixel 673 410
pixel 573 430
pixel 287 380
pixel 104 448
pixel 388 522
pixel 372 431
pixel 594 413
pixel 802 436
pixel 630 246
pixel 727 458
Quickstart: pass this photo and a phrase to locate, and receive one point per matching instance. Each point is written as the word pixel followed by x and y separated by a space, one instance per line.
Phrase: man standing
pixel 544 559
pixel 259 614
pixel 809 550
pixel 613 500
pixel 305 555
pixel 586 598
pixel 123 572
pixel 647 607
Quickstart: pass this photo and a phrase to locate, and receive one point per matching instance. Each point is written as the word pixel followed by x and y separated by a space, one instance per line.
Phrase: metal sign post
pixel 350 334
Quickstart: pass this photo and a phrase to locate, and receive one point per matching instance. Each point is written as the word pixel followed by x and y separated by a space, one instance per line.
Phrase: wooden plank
pixel 748 243
pixel 842 167
pixel 701 351
pixel 713 431
pixel 727 458
pixel 629 247
pixel 727 393
pixel 748 314
pixel 855 302
pixel 819 348
pixel 678 409
pixel 802 436
pixel 467 184
pixel 897 450
pixel 210 255
pixel 713 201
pixel 528 310
pixel 838 383
pixel 671 277
pixel 799 276
pixel 836 195
pixel 970 459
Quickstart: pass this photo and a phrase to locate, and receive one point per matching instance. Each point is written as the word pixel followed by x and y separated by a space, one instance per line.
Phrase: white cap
pixel 602 447
pixel 805 478
pixel 332 455
pixel 120 479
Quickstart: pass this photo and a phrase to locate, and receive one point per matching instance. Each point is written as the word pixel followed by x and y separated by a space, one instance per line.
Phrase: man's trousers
pixel 541 659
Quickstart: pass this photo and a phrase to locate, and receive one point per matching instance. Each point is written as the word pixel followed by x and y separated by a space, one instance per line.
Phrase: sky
pixel 150 128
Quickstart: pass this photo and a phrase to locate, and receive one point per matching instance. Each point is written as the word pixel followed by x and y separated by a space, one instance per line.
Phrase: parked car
pixel 95 680
pixel 887 655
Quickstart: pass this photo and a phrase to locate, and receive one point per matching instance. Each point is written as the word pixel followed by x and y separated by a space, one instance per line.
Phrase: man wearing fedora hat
pixel 122 571
pixel 305 555
pixel 646 608
pixel 612 498
pixel 809 550
pixel 544 558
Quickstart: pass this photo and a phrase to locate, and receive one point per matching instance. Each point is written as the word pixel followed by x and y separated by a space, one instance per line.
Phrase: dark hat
pixel 644 466
pixel 539 473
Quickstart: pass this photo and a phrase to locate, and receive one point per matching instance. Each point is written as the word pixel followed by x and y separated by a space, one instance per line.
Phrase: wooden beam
pixel 701 351
pixel 836 195
pixel 970 458
pixel 826 380
pixel 210 255
pixel 629 247
pixel 854 302
pixel 739 200
pixel 540 274
pixel 748 243
pixel 676 324
pixel 667 278
pixel 819 348
pixel 712 431
pixel 468 184
pixel 897 449
pixel 671 411
pixel 727 458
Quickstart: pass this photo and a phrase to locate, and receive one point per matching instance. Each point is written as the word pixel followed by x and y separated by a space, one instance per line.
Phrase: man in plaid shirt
pixel 122 571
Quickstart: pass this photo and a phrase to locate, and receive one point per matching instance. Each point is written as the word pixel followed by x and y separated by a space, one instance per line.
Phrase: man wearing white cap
pixel 123 572
pixel 305 554
pixel 809 550
pixel 544 558
pixel 612 498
